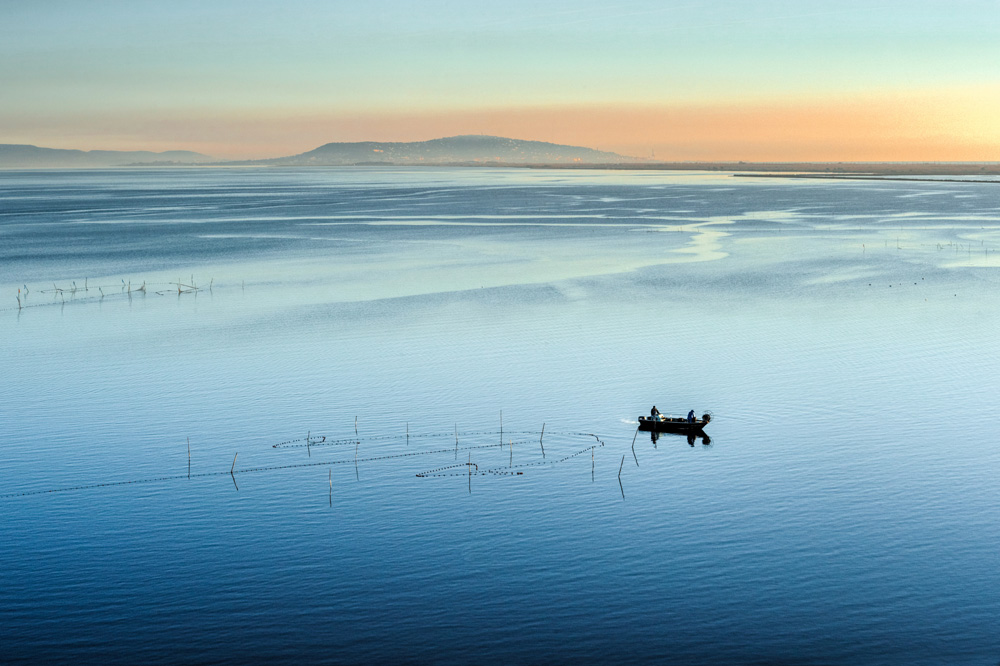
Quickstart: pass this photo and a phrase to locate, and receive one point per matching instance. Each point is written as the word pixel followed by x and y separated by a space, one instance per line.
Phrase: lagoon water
pixel 846 508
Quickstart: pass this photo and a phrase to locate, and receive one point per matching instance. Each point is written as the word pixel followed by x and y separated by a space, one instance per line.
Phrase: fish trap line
pixel 123 288
pixel 111 484
pixel 83 300
pixel 233 471
pixel 440 470
pixel 351 461
pixel 267 468
pixel 322 440
pixel 507 469
pixel 113 290
pixel 503 470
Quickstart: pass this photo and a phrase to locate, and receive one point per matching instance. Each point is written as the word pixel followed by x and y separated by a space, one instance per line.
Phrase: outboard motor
pixel 706 417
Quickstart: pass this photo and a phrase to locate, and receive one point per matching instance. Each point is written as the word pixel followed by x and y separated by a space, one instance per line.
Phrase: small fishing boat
pixel 661 423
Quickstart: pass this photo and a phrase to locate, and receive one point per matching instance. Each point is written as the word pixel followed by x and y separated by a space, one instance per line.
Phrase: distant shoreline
pixel 897 171
pixel 831 170
pixel 851 170
pixel 477 150
pixel 823 176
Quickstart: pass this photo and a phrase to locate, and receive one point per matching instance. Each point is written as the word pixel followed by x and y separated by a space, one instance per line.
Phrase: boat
pixel 661 423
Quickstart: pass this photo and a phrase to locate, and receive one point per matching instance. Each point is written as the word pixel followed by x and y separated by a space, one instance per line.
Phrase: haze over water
pixel 842 333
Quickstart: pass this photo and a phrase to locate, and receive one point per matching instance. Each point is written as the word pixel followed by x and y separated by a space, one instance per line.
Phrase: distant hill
pixel 469 149
pixel 16 156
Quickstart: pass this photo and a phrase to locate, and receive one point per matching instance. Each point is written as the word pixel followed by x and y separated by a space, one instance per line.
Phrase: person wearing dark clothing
pixel 691 416
pixel 654 412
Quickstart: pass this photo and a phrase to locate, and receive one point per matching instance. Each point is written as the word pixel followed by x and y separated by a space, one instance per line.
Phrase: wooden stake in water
pixel 331 487
pixel 540 441
pixel 407 433
pixel 501 428
pixel 470 472
pixel 308 442
pixel 189 457
pixel 620 477
pixel 456 441
pixel 231 469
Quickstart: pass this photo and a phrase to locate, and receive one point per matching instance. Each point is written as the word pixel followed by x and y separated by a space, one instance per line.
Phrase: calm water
pixel 844 334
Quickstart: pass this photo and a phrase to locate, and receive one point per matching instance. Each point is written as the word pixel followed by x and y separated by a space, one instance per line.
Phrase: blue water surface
pixel 362 361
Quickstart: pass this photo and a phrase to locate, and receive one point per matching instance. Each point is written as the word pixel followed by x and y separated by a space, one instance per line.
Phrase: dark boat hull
pixel 672 425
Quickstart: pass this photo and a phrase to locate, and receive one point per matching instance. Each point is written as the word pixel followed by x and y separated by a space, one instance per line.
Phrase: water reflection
pixel 654 437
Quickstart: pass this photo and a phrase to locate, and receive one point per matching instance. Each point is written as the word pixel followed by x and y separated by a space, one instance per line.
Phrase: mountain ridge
pixel 26 156
pixel 460 149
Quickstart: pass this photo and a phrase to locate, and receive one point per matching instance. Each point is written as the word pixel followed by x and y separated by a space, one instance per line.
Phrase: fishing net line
pixel 564 446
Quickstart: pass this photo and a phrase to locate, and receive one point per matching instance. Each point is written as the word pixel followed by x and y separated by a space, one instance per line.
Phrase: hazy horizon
pixel 772 81
pixel 180 154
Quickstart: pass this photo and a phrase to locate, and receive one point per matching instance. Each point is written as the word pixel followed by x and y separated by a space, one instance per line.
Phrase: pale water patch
pixel 975 260
pixel 705 244
pixel 933 193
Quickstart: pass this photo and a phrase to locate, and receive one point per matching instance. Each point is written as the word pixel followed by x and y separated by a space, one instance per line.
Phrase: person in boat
pixel 654 412
pixel 691 416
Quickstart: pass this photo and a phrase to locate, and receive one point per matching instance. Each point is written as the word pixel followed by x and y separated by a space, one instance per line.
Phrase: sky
pixel 768 80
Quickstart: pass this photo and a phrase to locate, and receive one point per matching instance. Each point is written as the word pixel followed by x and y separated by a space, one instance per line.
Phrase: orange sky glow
pixel 956 125
pixel 774 80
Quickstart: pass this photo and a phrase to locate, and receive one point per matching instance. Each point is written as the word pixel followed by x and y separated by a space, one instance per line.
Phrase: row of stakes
pixel 126 288
pixel 469 464
pixel 188 288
